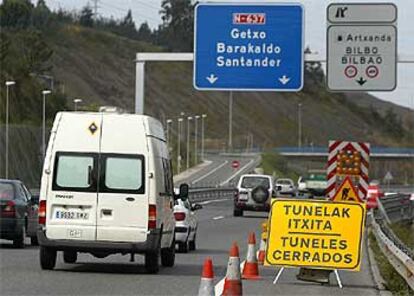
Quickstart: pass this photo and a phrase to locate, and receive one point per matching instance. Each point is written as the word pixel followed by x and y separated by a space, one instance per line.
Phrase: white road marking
pixel 210 172
pixel 238 172
pixel 218 217
pixel 218 288
pixel 213 201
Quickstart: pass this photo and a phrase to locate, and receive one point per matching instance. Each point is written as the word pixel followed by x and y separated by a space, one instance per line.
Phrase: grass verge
pixel 394 282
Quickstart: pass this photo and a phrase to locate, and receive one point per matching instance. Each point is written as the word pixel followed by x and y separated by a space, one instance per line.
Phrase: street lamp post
pixel 169 122
pixel 44 93
pixel 8 84
pixel 299 125
pixel 76 102
pixel 180 120
pixel 202 135
pixel 196 140
pixel 188 142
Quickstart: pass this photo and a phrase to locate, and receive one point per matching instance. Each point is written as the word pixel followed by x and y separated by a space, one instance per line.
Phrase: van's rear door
pixel 72 192
pixel 123 194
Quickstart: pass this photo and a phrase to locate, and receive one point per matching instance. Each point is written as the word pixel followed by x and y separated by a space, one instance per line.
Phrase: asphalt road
pixel 20 273
pixel 219 172
pixel 115 275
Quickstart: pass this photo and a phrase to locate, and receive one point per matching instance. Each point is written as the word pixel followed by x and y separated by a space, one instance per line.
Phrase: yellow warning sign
pixel 315 234
pixel 347 192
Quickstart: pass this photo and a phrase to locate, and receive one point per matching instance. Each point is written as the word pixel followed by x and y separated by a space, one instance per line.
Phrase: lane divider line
pixel 239 171
pixel 218 217
pixel 210 172
pixel 218 288
pixel 213 201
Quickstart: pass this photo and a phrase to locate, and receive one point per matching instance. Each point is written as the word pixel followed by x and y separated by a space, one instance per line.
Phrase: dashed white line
pixel 213 201
pixel 218 288
pixel 238 172
pixel 210 172
pixel 218 217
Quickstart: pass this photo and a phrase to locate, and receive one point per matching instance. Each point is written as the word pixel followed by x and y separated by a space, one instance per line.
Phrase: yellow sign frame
pixel 344 235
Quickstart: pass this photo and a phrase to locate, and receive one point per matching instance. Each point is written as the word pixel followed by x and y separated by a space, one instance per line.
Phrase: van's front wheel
pixel 168 255
pixel 152 259
pixel 47 258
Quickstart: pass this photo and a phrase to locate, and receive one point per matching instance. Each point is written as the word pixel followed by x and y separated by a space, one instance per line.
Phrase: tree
pixel 144 32
pixel 16 13
pixel 178 20
pixel 127 26
pixel 41 15
pixel 86 17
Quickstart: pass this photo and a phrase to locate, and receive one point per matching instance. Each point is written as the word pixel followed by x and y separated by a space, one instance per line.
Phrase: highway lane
pixel 220 172
pixel 115 275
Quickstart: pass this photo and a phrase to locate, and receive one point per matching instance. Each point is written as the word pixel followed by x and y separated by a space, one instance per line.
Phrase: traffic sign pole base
pixel 312 275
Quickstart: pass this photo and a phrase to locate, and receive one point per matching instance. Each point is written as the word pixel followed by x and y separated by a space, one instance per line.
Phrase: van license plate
pixel 74 233
pixel 71 215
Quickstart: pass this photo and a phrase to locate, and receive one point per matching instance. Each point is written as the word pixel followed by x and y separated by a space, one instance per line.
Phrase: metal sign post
pixel 362 47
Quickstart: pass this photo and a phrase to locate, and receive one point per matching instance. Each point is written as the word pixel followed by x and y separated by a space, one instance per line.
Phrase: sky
pixel 315 30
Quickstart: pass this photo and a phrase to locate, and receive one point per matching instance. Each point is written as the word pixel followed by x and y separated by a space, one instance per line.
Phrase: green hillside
pixel 99 68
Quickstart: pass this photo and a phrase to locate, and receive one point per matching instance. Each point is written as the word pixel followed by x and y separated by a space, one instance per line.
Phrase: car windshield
pixel 6 191
pixel 251 182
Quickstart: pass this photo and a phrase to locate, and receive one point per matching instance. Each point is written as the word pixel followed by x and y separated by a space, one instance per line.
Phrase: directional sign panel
pixel 362 47
pixel 248 47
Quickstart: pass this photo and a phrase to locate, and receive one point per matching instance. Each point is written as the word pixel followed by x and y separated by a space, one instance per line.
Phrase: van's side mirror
pixel 184 191
pixel 278 188
pixel 34 200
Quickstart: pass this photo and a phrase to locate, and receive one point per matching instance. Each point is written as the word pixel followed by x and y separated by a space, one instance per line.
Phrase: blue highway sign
pixel 251 47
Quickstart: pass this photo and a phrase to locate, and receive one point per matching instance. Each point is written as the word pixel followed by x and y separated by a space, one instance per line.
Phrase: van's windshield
pixel 118 173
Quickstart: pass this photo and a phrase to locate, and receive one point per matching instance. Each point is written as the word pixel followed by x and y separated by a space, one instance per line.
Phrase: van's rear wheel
pixel 152 259
pixel 47 258
pixel 192 244
pixel 168 255
pixel 70 256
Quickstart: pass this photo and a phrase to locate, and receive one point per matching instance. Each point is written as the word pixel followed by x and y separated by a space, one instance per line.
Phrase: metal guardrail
pixel 396 207
pixel 402 262
pixel 205 194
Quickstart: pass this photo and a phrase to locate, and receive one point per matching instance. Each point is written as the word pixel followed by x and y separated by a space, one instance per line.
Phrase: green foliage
pixel 16 14
pixel 86 17
pixel 405 232
pixel 41 15
pixel 394 282
pixel 177 30
pixel 275 164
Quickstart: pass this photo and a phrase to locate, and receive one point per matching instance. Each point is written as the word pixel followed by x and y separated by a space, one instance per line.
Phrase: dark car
pixel 18 213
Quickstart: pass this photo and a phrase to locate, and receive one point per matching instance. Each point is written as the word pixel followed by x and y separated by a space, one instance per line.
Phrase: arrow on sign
pixel 284 80
pixel 212 78
pixel 361 81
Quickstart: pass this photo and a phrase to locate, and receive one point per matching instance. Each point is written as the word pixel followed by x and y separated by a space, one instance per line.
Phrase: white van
pixel 107 188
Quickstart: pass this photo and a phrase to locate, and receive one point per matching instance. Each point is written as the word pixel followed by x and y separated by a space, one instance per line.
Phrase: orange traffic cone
pixel 251 268
pixel 207 278
pixel 232 283
pixel 262 252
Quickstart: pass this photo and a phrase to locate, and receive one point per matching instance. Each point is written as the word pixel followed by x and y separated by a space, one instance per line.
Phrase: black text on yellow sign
pixel 317 234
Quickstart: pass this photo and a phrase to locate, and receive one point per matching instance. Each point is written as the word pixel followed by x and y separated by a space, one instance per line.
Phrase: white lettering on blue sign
pixel 248 47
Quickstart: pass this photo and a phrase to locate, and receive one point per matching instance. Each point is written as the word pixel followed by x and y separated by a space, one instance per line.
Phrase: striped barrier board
pixel 348 159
